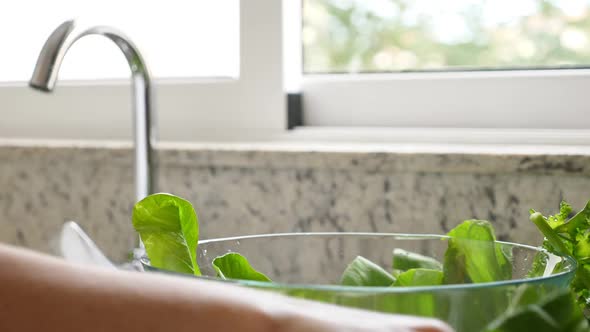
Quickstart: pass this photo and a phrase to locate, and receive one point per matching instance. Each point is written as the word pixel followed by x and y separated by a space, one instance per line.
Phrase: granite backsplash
pixel 249 189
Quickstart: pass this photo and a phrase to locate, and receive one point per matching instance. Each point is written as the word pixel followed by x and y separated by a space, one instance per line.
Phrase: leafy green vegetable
pixel 572 226
pixel 169 229
pixel 419 277
pixel 363 272
pixel 405 260
pixel 569 237
pixel 473 256
pixel 554 243
pixel 560 218
pixel 539 265
pixel 168 226
pixel 235 266
pixel 557 312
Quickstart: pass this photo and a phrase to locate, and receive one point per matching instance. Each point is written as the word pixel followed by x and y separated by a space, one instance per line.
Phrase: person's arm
pixel 42 293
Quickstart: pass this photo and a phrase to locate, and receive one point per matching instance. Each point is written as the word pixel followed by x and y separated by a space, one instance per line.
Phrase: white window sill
pixel 443 135
pixel 359 140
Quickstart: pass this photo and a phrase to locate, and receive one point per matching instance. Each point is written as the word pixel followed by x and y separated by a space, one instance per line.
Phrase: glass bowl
pixel 309 265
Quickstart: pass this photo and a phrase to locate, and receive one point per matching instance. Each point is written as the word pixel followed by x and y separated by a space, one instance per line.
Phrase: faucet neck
pixel 45 76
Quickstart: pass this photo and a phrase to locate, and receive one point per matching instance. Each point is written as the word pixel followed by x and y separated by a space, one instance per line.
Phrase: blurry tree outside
pixel 414 35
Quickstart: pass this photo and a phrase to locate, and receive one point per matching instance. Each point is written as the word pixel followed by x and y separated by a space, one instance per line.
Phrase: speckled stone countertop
pixel 260 188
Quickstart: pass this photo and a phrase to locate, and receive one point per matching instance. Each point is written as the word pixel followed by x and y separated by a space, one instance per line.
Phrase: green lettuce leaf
pixel 539 265
pixel 419 277
pixel 235 266
pixel 473 256
pixel 553 241
pixel 363 272
pixel 569 238
pixel 560 218
pixel 582 244
pixel 556 312
pixel 579 222
pixel 404 260
pixel 169 229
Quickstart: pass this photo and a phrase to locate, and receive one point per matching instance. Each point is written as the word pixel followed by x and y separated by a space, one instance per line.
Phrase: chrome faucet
pixel 45 76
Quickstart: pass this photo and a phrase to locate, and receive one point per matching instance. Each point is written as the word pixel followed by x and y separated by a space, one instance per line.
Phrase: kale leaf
pixel 569 237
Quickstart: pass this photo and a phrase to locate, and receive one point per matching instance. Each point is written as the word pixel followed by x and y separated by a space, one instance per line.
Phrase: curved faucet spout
pixel 45 76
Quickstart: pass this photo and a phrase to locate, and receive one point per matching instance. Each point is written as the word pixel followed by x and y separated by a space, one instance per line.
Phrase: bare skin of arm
pixel 43 293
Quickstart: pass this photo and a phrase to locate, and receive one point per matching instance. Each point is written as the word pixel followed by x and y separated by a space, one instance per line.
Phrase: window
pixel 467 70
pixel 170 34
pixel 475 64
pixel 421 35
pixel 218 72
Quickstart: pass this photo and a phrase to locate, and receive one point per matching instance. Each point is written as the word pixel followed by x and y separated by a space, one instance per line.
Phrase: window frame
pixel 503 108
pixel 487 107
pixel 492 107
pixel 186 109
pixel 531 99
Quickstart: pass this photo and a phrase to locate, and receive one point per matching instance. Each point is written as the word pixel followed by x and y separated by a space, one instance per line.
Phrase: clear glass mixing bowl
pixel 309 265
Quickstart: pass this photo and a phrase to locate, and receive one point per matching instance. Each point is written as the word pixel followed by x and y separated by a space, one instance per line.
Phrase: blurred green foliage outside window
pixel 348 36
